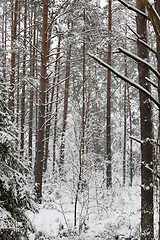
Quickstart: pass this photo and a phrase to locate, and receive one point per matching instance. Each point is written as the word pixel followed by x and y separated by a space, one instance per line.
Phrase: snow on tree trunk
pixel 147 230
pixel 41 121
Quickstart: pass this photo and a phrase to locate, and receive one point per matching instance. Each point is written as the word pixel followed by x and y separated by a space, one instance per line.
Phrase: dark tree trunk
pixel 157 6
pixel 13 55
pixel 41 122
pixel 23 82
pixel 48 111
pixel 125 136
pixel 147 229
pixel 130 132
pixel 66 92
pixel 108 140
pixel 32 73
pixel 84 78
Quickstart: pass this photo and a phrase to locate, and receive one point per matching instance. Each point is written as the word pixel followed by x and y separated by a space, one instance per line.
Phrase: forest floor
pixel 116 213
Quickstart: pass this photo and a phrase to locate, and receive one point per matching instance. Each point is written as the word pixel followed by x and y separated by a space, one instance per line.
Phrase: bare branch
pixel 137 140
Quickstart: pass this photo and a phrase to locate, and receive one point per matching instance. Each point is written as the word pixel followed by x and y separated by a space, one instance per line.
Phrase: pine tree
pixel 15 197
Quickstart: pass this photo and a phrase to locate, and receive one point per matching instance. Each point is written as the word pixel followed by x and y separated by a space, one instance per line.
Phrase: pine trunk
pixel 66 92
pixel 23 82
pixel 32 73
pixel 108 140
pixel 13 55
pixel 147 227
pixel 157 6
pixel 57 70
pixel 125 136
pixel 41 121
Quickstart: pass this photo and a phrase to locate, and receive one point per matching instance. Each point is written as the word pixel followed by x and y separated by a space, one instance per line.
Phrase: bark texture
pixel 41 121
pixel 147 230
pixel 109 169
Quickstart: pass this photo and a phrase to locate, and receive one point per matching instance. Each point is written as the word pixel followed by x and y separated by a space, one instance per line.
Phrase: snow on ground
pixel 117 212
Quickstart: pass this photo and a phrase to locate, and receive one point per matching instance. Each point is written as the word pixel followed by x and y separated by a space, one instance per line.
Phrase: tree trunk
pixel 23 82
pixel 157 6
pixel 13 55
pixel 18 77
pixel 147 229
pixel 50 105
pixel 32 73
pixel 66 92
pixel 109 169
pixel 41 122
pixel 57 70
pixel 130 132
pixel 125 136
pixel 4 35
pixel 84 78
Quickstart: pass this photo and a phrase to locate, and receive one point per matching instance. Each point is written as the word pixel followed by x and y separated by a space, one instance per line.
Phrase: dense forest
pixel 79 119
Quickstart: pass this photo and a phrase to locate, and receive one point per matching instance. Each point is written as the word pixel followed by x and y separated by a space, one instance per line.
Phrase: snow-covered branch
pixel 133 8
pixel 150 81
pixel 154 17
pixel 140 60
pixel 136 85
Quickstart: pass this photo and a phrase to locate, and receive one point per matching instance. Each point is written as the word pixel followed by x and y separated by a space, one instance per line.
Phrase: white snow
pixel 117 213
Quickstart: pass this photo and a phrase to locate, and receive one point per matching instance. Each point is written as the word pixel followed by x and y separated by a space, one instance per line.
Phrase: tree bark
pixel 157 7
pixel 131 133
pixel 32 73
pixel 57 70
pixel 109 168
pixel 13 55
pixel 125 136
pixel 66 92
pixel 41 121
pixel 23 82
pixel 83 100
pixel 147 227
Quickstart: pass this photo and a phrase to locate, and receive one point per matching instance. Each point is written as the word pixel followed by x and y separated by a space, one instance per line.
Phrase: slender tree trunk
pixel 84 79
pixel 109 168
pixel 18 77
pixel 131 133
pixel 23 82
pixel 32 73
pixel 36 112
pixel 49 105
pixel 157 6
pixel 66 92
pixel 56 110
pixel 147 226
pixel 88 107
pixel 4 34
pixel 125 136
pixel 40 140
pixel 13 55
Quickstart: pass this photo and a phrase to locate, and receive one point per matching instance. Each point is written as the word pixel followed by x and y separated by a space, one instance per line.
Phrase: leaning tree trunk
pixel 41 122
pixel 147 227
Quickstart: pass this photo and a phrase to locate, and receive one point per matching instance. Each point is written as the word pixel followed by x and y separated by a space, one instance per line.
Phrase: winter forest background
pixel 79 119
